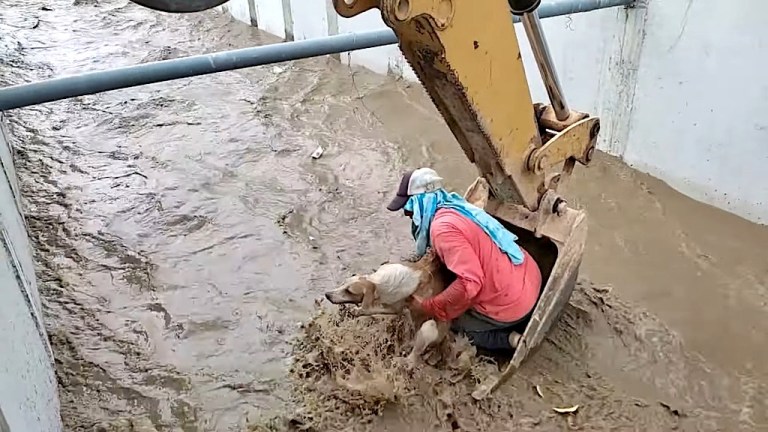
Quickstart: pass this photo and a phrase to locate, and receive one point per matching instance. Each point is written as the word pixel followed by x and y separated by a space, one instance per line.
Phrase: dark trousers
pixel 483 331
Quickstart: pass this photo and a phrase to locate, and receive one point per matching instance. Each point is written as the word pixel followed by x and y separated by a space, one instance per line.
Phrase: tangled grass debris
pixel 350 372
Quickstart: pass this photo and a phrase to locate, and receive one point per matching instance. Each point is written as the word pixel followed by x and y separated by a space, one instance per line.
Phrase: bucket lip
pixel 559 286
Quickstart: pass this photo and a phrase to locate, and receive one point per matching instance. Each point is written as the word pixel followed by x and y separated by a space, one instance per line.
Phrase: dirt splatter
pixel 348 375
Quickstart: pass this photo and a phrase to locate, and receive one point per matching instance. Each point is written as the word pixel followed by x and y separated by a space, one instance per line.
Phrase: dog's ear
pixel 367 289
pixel 362 286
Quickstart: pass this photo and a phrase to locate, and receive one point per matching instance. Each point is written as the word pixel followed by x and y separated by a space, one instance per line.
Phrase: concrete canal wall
pixel 28 392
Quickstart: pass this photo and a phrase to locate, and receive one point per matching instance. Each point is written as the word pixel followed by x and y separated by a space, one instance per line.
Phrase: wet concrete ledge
pixel 28 392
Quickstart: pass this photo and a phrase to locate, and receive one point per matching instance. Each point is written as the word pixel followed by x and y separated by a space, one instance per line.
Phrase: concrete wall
pixel 28 392
pixel 677 84
pixel 701 94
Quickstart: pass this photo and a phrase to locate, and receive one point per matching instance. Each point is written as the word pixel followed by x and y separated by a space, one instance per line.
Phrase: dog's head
pixel 352 291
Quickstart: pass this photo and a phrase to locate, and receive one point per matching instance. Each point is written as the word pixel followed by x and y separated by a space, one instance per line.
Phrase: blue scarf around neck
pixel 424 206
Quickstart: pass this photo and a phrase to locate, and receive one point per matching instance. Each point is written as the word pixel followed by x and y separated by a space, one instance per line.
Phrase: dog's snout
pixel 341 296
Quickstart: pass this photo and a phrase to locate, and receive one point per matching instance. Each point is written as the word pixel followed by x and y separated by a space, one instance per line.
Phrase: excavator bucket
pixel 556 241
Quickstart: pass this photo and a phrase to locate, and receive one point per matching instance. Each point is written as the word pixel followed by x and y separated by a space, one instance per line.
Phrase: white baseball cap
pixel 422 180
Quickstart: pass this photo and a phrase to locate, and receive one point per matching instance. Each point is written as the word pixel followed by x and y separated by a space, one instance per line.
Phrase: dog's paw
pixel 434 357
pixel 407 363
pixel 411 362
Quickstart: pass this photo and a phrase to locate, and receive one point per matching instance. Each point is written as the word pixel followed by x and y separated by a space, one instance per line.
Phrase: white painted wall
pixel 240 10
pixel 269 15
pixel 700 119
pixel 28 392
pixel 310 19
pixel 385 59
pixel 677 84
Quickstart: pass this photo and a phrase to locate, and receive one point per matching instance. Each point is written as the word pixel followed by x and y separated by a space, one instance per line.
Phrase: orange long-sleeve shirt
pixel 487 280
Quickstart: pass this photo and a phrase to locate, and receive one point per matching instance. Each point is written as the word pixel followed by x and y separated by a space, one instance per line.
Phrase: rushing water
pixel 182 229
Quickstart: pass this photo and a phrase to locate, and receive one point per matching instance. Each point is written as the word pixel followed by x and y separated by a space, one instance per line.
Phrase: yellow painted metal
pixel 466 55
pixel 348 9
pixel 568 144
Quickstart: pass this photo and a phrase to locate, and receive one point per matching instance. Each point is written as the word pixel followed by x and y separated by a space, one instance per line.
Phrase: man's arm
pixel 455 251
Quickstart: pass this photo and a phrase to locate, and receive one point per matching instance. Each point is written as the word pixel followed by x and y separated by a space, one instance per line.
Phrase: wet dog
pixel 388 290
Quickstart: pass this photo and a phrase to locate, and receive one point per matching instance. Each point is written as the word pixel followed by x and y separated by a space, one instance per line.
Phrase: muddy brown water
pixel 182 230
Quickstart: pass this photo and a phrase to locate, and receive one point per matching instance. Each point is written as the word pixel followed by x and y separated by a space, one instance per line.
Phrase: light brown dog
pixel 389 290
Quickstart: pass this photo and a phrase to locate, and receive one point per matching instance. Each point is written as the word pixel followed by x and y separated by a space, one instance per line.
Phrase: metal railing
pixel 88 83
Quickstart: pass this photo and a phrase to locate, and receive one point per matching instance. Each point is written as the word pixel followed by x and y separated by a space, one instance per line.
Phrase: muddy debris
pixel 348 374
pixel 138 424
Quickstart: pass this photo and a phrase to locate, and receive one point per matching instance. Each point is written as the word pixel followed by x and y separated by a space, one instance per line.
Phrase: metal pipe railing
pixel 23 95
pixel 553 8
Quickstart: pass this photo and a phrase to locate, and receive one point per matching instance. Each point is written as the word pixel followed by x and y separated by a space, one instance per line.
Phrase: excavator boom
pixel 466 55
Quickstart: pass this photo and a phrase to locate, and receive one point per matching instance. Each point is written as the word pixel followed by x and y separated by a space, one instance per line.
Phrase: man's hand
pixel 415 306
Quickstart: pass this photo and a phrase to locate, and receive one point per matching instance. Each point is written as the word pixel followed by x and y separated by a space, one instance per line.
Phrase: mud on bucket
pixel 555 236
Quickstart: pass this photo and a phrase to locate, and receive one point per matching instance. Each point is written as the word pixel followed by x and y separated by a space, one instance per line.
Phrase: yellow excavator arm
pixel 466 55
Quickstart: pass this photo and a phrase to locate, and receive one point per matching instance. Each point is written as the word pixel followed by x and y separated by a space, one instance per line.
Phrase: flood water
pixel 182 229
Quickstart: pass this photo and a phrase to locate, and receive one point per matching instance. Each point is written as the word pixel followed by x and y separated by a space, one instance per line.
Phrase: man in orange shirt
pixel 497 282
